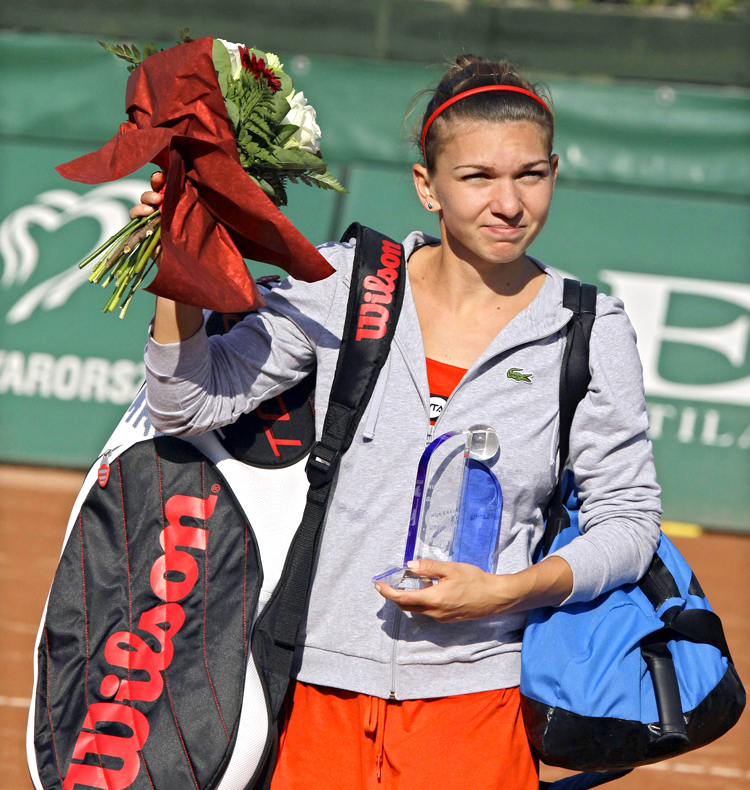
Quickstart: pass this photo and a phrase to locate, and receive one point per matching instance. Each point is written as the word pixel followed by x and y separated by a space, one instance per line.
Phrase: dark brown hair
pixel 470 71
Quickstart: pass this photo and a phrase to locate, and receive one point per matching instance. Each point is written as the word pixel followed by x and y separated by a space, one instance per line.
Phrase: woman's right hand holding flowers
pixel 151 200
pixel 173 322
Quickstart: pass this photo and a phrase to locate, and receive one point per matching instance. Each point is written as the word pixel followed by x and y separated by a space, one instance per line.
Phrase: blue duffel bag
pixel 639 674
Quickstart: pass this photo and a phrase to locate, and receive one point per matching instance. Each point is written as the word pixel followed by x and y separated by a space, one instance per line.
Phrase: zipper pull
pixel 430 434
pixel 104 469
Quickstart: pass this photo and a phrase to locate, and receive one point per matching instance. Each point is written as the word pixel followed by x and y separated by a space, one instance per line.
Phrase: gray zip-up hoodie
pixel 353 638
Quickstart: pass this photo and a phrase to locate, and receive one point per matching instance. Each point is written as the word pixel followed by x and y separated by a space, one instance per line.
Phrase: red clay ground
pixel 34 508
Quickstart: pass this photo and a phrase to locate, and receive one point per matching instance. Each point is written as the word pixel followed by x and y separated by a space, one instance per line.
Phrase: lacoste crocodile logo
pixel 518 375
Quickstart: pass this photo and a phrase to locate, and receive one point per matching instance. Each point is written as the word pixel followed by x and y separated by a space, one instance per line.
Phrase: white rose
pixel 234 57
pixel 302 114
pixel 273 62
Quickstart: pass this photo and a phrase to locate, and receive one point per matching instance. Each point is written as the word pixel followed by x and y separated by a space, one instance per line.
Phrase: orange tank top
pixel 442 379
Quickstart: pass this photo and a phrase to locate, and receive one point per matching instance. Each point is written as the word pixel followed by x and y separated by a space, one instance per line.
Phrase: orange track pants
pixel 341 740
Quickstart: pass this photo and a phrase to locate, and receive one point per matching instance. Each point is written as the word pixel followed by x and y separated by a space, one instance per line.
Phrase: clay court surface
pixel 34 508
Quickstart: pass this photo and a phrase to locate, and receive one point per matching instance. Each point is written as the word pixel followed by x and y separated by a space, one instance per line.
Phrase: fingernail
pixel 377 587
pixel 412 564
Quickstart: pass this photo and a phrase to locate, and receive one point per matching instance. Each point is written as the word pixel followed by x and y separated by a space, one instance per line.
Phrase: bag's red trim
pixel 49 713
pixel 205 604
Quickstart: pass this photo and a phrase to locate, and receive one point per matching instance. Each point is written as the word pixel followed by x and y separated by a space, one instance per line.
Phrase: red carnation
pixel 258 67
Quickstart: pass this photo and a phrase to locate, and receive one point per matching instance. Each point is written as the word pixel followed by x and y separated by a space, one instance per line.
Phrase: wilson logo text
pixel 374 313
pixel 129 651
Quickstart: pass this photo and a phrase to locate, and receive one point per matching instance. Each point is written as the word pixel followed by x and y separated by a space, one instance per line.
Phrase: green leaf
pixel 258 120
pixel 223 65
pixel 124 53
pixel 280 105
pixel 249 147
pixel 233 111
pixel 325 181
pixel 296 159
pixel 228 87
pixel 281 192
pixel 267 156
pixel 284 132
pixel 258 131
pixel 286 82
pixel 136 52
pixel 265 186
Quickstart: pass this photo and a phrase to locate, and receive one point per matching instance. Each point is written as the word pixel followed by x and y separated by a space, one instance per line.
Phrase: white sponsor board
pixel 70 377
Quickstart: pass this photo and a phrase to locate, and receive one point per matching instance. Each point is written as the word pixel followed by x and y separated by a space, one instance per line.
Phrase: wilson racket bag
pixel 165 648
pixel 643 672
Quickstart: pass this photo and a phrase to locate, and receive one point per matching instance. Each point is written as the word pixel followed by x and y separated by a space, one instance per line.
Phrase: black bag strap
pixel 375 299
pixel 574 381
pixel 697 625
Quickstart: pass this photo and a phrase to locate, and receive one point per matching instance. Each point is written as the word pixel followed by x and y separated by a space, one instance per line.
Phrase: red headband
pixel 471 92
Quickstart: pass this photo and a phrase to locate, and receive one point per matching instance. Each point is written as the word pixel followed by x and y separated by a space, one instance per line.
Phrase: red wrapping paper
pixel 213 213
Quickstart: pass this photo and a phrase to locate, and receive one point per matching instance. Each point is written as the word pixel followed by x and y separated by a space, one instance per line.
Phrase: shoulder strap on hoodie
pixel 574 381
pixel 375 298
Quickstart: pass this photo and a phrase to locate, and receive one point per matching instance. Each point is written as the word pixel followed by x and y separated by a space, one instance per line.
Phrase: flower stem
pixel 124 258
pixel 132 271
pixel 110 241
pixel 141 277
pixel 148 247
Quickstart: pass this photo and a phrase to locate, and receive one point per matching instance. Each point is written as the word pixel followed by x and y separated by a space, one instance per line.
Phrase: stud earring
pixel 429 206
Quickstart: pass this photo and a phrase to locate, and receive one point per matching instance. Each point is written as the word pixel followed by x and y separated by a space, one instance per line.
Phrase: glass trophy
pixel 458 502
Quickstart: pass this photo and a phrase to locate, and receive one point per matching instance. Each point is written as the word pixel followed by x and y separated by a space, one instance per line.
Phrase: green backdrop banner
pixel 652 205
pixel 581 38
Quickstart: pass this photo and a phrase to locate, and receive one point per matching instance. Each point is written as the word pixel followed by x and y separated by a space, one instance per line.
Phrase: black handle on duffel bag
pixel 658 658
pixel 658 585
pixel 697 625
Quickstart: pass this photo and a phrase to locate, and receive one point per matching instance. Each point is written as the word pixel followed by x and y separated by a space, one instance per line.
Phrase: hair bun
pixel 461 61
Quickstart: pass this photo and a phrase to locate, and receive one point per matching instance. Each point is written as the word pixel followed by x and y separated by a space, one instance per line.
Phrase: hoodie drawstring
pixel 375 726
pixel 373 410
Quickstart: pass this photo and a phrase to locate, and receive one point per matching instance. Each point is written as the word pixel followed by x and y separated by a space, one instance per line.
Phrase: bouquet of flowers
pixel 225 124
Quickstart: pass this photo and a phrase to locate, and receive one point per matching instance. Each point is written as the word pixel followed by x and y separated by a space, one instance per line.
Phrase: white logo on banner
pixel 69 377
pixel 51 211
pixel 646 298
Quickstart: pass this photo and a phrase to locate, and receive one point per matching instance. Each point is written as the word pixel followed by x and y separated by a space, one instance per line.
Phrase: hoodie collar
pixel 543 317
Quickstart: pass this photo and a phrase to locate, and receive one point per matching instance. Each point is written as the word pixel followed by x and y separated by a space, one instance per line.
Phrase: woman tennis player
pixel 419 689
